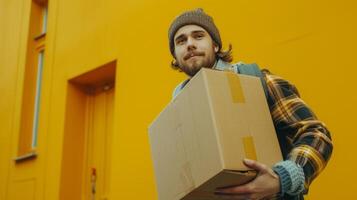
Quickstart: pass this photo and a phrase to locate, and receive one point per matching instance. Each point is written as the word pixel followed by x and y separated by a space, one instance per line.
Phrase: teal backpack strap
pixel 252 70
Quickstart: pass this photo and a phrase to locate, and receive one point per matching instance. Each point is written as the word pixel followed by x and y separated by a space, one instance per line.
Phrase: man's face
pixel 194 49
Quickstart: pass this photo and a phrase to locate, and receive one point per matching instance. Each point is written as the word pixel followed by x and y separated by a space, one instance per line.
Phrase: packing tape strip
pixel 249 147
pixel 235 87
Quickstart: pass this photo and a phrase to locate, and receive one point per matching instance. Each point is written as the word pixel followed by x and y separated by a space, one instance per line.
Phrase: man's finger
pixel 254 164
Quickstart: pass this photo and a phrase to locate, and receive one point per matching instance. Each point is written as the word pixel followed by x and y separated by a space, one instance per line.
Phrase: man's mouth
pixel 193 54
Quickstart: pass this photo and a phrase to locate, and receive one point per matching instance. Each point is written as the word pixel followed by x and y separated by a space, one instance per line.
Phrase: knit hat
pixel 197 17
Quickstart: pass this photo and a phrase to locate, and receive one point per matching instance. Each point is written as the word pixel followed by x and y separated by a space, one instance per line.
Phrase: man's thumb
pixel 253 164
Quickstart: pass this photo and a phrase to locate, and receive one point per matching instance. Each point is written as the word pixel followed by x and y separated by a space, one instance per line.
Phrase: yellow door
pixel 87 143
pixel 99 127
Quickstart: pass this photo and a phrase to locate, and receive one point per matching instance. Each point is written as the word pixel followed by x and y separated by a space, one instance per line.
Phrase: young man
pixel 305 141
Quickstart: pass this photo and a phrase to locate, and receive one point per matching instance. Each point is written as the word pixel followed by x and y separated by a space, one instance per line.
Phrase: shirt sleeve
pixel 307 141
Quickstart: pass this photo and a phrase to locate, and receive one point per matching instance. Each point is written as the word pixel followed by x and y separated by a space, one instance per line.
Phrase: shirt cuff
pixel 292 177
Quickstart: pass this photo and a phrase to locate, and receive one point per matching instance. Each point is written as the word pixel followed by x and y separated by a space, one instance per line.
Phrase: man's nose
pixel 191 44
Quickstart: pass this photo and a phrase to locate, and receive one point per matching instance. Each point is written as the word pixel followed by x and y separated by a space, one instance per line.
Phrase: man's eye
pixel 199 36
pixel 180 41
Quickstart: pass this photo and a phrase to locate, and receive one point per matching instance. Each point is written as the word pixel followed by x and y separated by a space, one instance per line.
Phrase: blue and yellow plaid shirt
pixel 303 138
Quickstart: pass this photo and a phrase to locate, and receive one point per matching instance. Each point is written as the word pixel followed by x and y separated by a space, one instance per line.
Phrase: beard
pixel 192 65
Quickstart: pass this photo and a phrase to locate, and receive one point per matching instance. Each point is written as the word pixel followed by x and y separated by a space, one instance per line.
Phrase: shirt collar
pixel 221 65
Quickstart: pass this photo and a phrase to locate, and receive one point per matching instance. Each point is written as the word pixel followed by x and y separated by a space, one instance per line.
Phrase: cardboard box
pixel 199 140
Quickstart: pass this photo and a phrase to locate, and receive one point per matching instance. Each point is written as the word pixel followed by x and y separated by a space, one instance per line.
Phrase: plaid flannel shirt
pixel 303 138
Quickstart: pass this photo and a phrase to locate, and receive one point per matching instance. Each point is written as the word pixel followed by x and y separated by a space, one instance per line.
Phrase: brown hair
pixel 225 55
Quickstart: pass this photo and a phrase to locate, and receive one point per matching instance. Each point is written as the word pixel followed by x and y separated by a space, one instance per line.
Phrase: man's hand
pixel 266 184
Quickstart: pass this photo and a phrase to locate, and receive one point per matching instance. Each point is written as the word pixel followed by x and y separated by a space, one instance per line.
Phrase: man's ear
pixel 215 47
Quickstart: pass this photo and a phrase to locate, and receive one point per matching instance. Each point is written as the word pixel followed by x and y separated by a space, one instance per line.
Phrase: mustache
pixel 193 53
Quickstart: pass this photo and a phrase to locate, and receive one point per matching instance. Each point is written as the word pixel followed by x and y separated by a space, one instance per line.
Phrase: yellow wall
pixel 311 43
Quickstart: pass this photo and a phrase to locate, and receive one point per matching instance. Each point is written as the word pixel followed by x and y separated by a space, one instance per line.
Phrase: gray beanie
pixel 197 17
